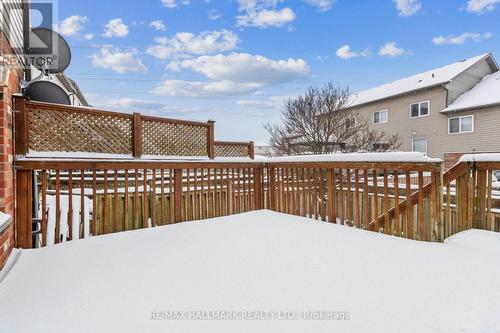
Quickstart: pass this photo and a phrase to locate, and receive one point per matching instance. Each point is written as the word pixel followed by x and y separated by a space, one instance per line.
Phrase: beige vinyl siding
pixel 486 135
pixel 431 127
pixel 434 127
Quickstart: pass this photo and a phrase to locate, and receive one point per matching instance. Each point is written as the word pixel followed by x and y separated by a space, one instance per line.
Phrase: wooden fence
pixel 361 195
pixel 471 197
pixel 50 128
pixel 81 199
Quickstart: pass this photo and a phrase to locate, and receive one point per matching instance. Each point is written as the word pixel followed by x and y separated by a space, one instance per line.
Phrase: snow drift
pixel 258 261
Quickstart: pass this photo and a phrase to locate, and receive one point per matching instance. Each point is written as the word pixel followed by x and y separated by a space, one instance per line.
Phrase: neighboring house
pixel 71 87
pixel 15 23
pixel 452 109
pixel 263 149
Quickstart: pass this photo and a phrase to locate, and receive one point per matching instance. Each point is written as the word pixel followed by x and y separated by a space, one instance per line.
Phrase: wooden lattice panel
pixel 231 150
pixel 53 130
pixel 173 139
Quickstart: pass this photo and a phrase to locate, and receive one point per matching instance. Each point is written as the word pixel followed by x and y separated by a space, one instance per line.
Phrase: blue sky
pixel 235 61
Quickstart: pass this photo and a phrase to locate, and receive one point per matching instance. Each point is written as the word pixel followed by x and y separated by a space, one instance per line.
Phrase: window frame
pixel 413 145
pixel 349 120
pixel 386 118
pixel 460 124
pixel 419 108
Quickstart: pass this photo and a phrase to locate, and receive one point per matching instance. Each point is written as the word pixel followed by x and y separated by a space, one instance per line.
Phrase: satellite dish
pixel 50 52
pixel 45 91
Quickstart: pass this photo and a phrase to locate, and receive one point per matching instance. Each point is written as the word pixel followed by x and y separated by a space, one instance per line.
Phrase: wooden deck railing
pixel 471 197
pixel 79 199
pixel 363 195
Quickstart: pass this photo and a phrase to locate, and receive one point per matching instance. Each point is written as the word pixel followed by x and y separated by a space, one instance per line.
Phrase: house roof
pixel 485 93
pixel 431 78
pixel 72 87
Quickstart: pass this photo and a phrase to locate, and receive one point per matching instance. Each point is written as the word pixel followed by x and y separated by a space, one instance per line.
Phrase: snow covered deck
pixel 258 261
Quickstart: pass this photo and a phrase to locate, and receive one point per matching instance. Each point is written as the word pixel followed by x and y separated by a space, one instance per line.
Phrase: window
pixel 463 124
pixel 420 109
pixel 419 145
pixel 380 117
pixel 381 146
pixel 350 122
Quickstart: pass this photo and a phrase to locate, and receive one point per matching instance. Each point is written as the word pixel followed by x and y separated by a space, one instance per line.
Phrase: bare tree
pixel 321 122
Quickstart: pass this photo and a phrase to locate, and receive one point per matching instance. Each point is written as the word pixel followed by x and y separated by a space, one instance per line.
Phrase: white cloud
pixel 322 5
pixel 214 14
pixel 263 14
pixel 174 3
pixel 130 104
pixel 481 6
pixel 144 106
pixel 272 102
pixel 345 52
pixel 118 60
pixel 244 67
pixel 203 89
pixel 115 28
pixel 462 38
pixel 408 7
pixel 233 74
pixel 186 43
pixel 88 36
pixel 391 50
pixel 158 25
pixel 72 25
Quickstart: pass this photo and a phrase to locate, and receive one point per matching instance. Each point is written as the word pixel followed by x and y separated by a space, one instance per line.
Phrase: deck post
pixel 480 199
pixel 436 201
pixel 210 140
pixel 21 126
pixel 178 195
pixel 251 150
pixel 24 198
pixel 137 136
pixel 257 187
pixel 272 188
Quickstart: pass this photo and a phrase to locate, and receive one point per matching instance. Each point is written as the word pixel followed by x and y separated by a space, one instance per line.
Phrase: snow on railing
pixel 487 157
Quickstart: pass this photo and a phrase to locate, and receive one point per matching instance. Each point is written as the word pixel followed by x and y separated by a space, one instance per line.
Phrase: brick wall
pixel 7 191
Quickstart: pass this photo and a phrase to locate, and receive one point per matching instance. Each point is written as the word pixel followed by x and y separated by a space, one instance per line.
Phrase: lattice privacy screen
pixel 53 130
pixel 231 150
pixel 173 139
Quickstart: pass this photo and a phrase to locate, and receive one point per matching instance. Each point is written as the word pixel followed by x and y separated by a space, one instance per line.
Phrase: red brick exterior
pixel 7 190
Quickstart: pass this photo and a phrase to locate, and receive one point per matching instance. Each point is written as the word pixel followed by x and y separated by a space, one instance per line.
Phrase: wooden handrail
pixel 451 174
pixel 411 166
pixel 51 164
